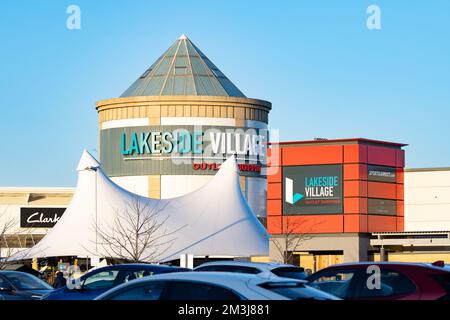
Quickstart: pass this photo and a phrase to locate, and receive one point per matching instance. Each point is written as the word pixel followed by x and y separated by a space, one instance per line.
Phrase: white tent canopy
pixel 213 220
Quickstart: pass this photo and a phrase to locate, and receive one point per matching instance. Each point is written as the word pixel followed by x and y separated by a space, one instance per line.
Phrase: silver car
pixel 260 268
pixel 214 286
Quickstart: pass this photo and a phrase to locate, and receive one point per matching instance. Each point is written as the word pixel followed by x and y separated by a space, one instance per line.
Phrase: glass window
pixel 290 272
pixel 335 282
pixel 225 268
pixel 180 83
pixel 184 290
pixel 382 206
pixel 151 291
pixel 444 281
pixel 25 281
pixel 4 284
pixel 392 283
pixel 136 274
pixel 101 280
pixel 164 66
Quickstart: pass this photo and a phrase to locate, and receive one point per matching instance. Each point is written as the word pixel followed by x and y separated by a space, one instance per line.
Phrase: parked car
pixel 278 269
pixel 214 286
pixel 397 281
pixel 102 279
pixel 16 285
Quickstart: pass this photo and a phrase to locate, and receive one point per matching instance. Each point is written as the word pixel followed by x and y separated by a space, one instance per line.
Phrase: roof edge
pixel 183 99
pixel 427 169
pixel 335 141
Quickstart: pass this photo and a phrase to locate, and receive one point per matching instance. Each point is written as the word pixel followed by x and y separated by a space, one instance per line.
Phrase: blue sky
pixel 326 74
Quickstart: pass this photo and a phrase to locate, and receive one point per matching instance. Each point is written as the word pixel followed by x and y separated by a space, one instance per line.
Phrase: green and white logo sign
pixel 312 189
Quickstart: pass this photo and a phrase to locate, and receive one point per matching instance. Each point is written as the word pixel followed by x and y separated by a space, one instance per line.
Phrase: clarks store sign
pixel 40 217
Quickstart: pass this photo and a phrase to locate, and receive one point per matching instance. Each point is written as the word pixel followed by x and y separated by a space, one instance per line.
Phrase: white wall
pixel 10 213
pixel 177 185
pixel 135 184
pixel 427 200
pixel 134 122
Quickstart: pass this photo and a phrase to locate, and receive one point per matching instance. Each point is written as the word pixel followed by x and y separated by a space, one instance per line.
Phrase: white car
pixel 260 268
pixel 213 286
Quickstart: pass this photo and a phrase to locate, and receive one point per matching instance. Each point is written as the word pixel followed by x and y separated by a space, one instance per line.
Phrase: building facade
pixel 26 215
pixel 427 219
pixel 331 195
pixel 427 199
pixel 169 132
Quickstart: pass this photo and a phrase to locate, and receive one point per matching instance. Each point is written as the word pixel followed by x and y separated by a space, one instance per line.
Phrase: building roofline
pixel 37 189
pixel 400 233
pixel 427 169
pixel 336 141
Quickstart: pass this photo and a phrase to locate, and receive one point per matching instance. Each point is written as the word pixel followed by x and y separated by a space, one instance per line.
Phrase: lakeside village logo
pixel 315 188
pixel 249 146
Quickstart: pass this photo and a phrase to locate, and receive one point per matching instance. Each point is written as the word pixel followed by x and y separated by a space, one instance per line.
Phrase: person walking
pixel 60 281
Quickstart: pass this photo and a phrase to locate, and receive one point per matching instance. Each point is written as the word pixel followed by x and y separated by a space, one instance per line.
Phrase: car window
pixel 392 283
pixel 290 272
pixel 4 283
pixel 135 274
pixel 101 280
pixel 152 291
pixel 185 290
pixel 25 281
pixel 225 268
pixel 336 282
pixel 444 282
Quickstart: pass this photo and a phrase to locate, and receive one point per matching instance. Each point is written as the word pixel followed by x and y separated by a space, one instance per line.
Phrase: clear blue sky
pixel 326 74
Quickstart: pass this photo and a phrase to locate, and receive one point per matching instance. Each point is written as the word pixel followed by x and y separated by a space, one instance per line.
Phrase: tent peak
pixel 228 166
pixel 87 161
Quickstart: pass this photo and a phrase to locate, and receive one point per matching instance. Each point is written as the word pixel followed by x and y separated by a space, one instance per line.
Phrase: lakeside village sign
pixel 249 145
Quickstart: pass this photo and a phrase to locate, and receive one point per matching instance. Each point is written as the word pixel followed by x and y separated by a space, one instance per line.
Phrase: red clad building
pixel 336 192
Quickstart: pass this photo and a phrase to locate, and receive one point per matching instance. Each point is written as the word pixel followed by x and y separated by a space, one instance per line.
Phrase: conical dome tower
pixel 183 70
pixel 168 133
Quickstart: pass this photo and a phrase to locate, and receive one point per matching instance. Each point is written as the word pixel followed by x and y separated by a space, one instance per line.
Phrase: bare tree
pixel 12 238
pixel 7 227
pixel 290 240
pixel 138 233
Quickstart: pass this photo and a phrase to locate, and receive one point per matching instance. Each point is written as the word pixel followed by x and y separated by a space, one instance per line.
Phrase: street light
pixel 94 169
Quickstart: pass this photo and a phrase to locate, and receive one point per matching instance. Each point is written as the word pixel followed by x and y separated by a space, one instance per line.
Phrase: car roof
pixel 14 272
pixel 263 266
pixel 226 279
pixel 389 263
pixel 138 265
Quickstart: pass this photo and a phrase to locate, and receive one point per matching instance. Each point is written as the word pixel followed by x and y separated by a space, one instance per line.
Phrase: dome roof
pixel 183 70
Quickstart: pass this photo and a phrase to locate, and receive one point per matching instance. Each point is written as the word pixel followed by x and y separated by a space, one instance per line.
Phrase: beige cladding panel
pixel 36 199
pixel 157 107
pixel 183 111
pixel 154 186
pixel 164 111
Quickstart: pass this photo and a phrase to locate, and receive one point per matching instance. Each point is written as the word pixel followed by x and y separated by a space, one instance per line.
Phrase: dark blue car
pixel 102 279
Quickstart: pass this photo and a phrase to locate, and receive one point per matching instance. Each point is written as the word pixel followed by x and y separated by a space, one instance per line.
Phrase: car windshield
pixel 25 281
pixel 295 291
pixel 229 268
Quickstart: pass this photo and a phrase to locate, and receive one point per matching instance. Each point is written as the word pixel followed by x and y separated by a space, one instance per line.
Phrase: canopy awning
pixel 213 220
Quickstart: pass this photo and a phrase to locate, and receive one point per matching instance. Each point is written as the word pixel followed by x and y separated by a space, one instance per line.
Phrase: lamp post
pixel 95 169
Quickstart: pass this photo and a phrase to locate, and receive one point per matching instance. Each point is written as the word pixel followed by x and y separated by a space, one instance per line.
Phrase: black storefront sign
pixel 382 207
pixel 40 217
pixel 381 174
pixel 312 189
